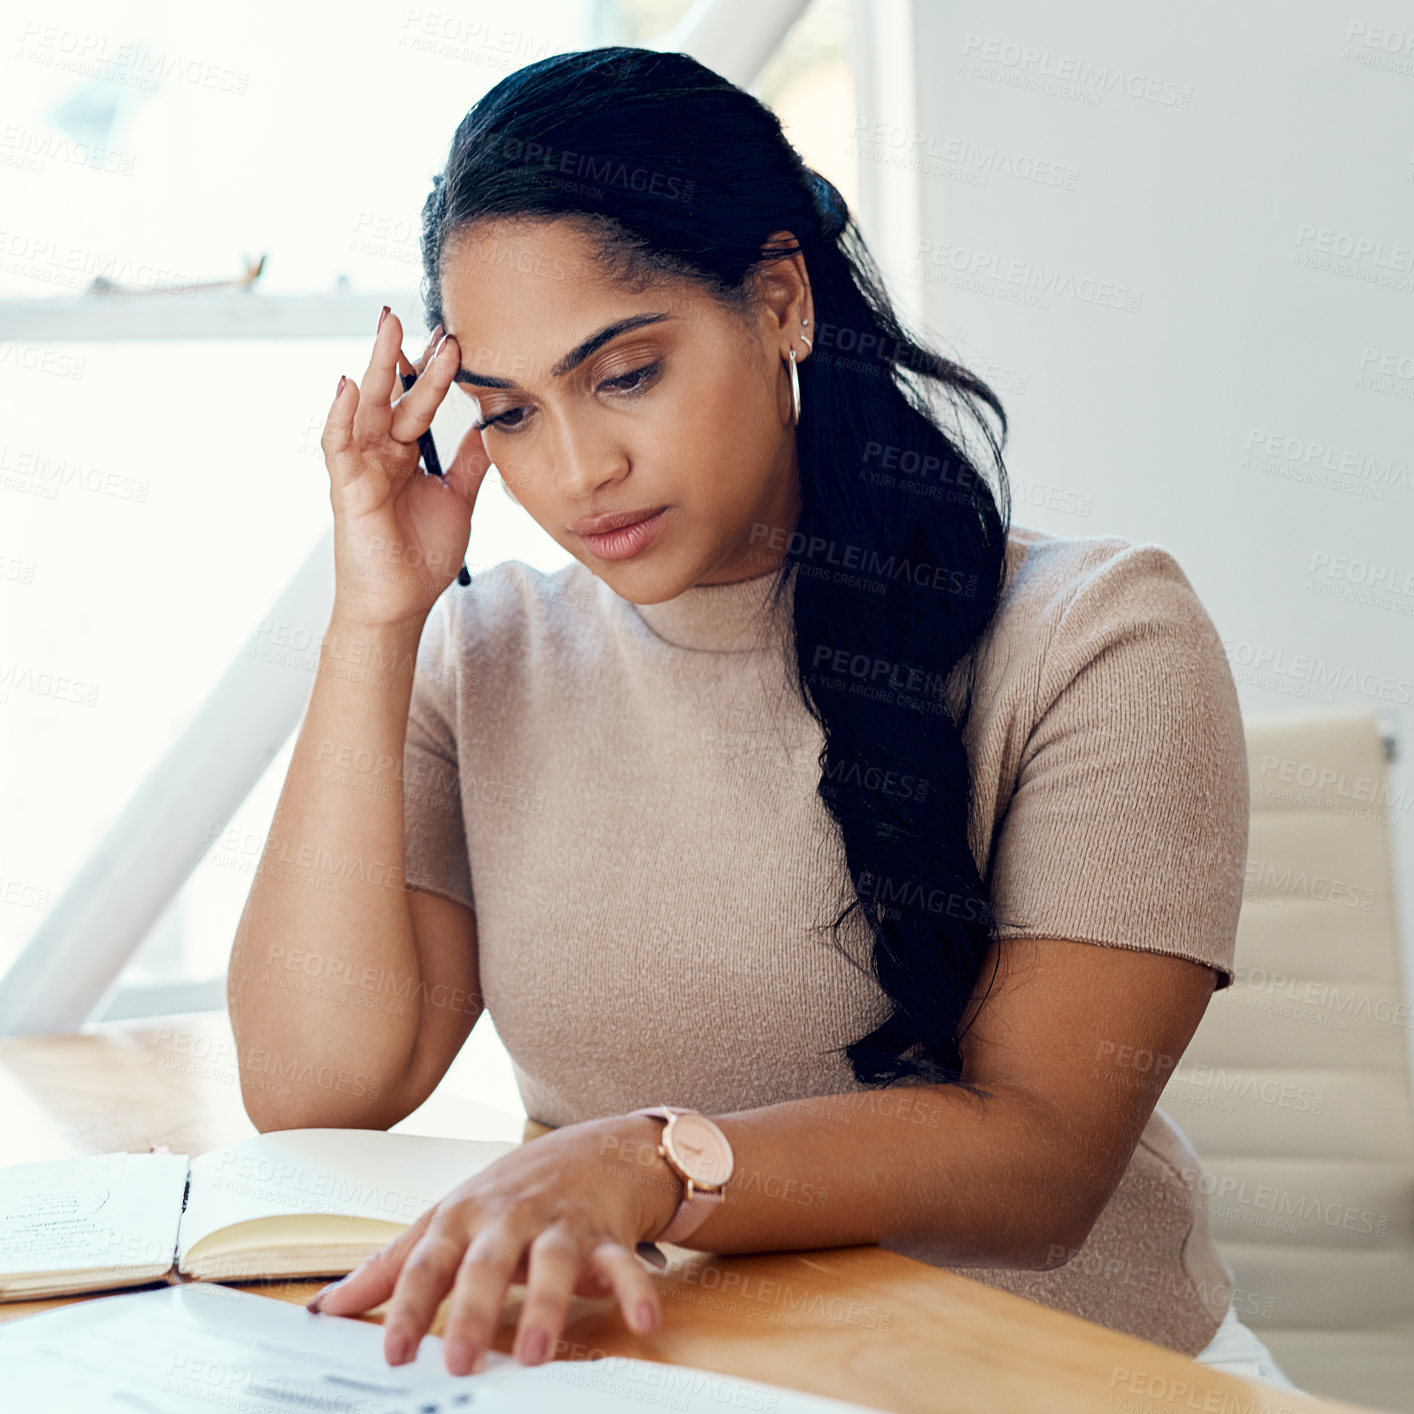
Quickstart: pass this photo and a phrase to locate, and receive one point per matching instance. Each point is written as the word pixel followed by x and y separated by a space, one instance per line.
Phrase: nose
pixel 586 460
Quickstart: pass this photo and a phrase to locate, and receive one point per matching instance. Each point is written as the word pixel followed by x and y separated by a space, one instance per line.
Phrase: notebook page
pixel 365 1173
pixel 98 1211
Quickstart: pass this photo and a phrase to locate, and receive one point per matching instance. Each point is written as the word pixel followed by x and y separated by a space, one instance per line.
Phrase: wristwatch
pixel 698 1152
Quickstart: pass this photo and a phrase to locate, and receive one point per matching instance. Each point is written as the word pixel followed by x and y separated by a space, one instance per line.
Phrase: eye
pixel 499 420
pixel 625 382
pixel 634 381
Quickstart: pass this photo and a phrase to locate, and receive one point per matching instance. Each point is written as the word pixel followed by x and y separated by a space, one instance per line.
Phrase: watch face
pixel 701 1148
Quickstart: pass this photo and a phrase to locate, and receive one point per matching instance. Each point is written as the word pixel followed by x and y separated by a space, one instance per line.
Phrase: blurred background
pixel 160 472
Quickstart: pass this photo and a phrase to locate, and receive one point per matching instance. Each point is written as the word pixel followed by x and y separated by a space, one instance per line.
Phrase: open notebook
pixel 291 1203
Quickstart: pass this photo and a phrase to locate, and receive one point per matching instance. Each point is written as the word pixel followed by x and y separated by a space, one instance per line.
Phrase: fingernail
pixel 343 378
pixel 440 342
pixel 434 336
pixel 533 1347
pixel 645 1317
pixel 313 1303
pixel 382 316
pixel 398 1347
pixel 459 1356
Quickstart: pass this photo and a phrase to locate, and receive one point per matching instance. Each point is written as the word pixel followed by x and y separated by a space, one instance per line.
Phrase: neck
pixel 735 615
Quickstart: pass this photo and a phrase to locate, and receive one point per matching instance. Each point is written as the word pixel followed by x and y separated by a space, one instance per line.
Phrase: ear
pixel 784 288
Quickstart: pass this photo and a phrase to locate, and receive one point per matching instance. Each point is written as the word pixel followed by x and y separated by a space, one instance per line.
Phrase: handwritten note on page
pixel 102 1213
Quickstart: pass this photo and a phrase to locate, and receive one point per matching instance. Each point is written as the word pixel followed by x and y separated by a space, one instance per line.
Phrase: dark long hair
pixel 897 562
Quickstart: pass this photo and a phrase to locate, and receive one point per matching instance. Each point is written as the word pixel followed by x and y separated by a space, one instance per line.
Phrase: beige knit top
pixel 625 794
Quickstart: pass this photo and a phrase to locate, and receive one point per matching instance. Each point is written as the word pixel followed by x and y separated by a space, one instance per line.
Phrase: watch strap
pixel 697 1203
pixel 691 1214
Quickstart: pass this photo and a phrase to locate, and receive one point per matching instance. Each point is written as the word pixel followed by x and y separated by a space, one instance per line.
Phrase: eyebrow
pixel 571 360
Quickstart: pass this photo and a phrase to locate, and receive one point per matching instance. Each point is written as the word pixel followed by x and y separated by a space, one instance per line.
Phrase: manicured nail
pixel 314 1301
pixel 399 1347
pixel 461 1356
pixel 382 316
pixel 645 1317
pixel 343 378
pixel 534 1346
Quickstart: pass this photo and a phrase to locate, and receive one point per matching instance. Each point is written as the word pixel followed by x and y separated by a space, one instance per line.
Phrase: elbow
pixel 266 1118
pixel 1054 1249
pixel 1063 1216
pixel 1055 1253
pixel 282 1092
pixel 269 1111
pixel 1050 1242
pixel 1069 1185
pixel 266 1112
pixel 266 1121
pixel 1063 1237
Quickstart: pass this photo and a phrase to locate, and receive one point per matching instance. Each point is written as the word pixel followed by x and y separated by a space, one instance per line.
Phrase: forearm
pixel 327 908
pixel 976 1180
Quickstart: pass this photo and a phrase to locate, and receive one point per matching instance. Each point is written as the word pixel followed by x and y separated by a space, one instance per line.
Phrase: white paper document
pixel 204 1347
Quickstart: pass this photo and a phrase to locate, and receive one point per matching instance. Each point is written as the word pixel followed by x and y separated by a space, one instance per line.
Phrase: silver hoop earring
pixel 794 392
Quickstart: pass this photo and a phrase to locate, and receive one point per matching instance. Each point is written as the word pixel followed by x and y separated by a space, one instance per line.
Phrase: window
pixel 160 470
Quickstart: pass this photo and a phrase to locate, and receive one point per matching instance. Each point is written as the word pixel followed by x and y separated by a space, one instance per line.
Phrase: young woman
pixel 898 846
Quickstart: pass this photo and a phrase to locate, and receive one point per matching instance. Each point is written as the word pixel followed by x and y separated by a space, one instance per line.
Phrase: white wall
pixel 1220 201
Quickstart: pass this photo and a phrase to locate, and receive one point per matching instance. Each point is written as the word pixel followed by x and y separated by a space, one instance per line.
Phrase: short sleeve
pixel 1128 824
pixel 434 829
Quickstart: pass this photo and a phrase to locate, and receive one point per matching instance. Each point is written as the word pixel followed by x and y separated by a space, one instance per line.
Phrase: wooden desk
pixel 856 1323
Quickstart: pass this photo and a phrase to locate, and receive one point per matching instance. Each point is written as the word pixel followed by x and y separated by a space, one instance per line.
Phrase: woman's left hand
pixel 563 1214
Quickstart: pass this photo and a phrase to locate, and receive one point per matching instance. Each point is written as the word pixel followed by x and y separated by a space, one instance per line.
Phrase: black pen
pixel 428 448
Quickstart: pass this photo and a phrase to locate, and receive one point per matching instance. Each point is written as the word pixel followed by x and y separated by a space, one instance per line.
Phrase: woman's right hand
pixel 400 533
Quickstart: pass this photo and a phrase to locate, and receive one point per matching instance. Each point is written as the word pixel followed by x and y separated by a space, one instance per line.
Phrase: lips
pixel 611 520
pixel 625 541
